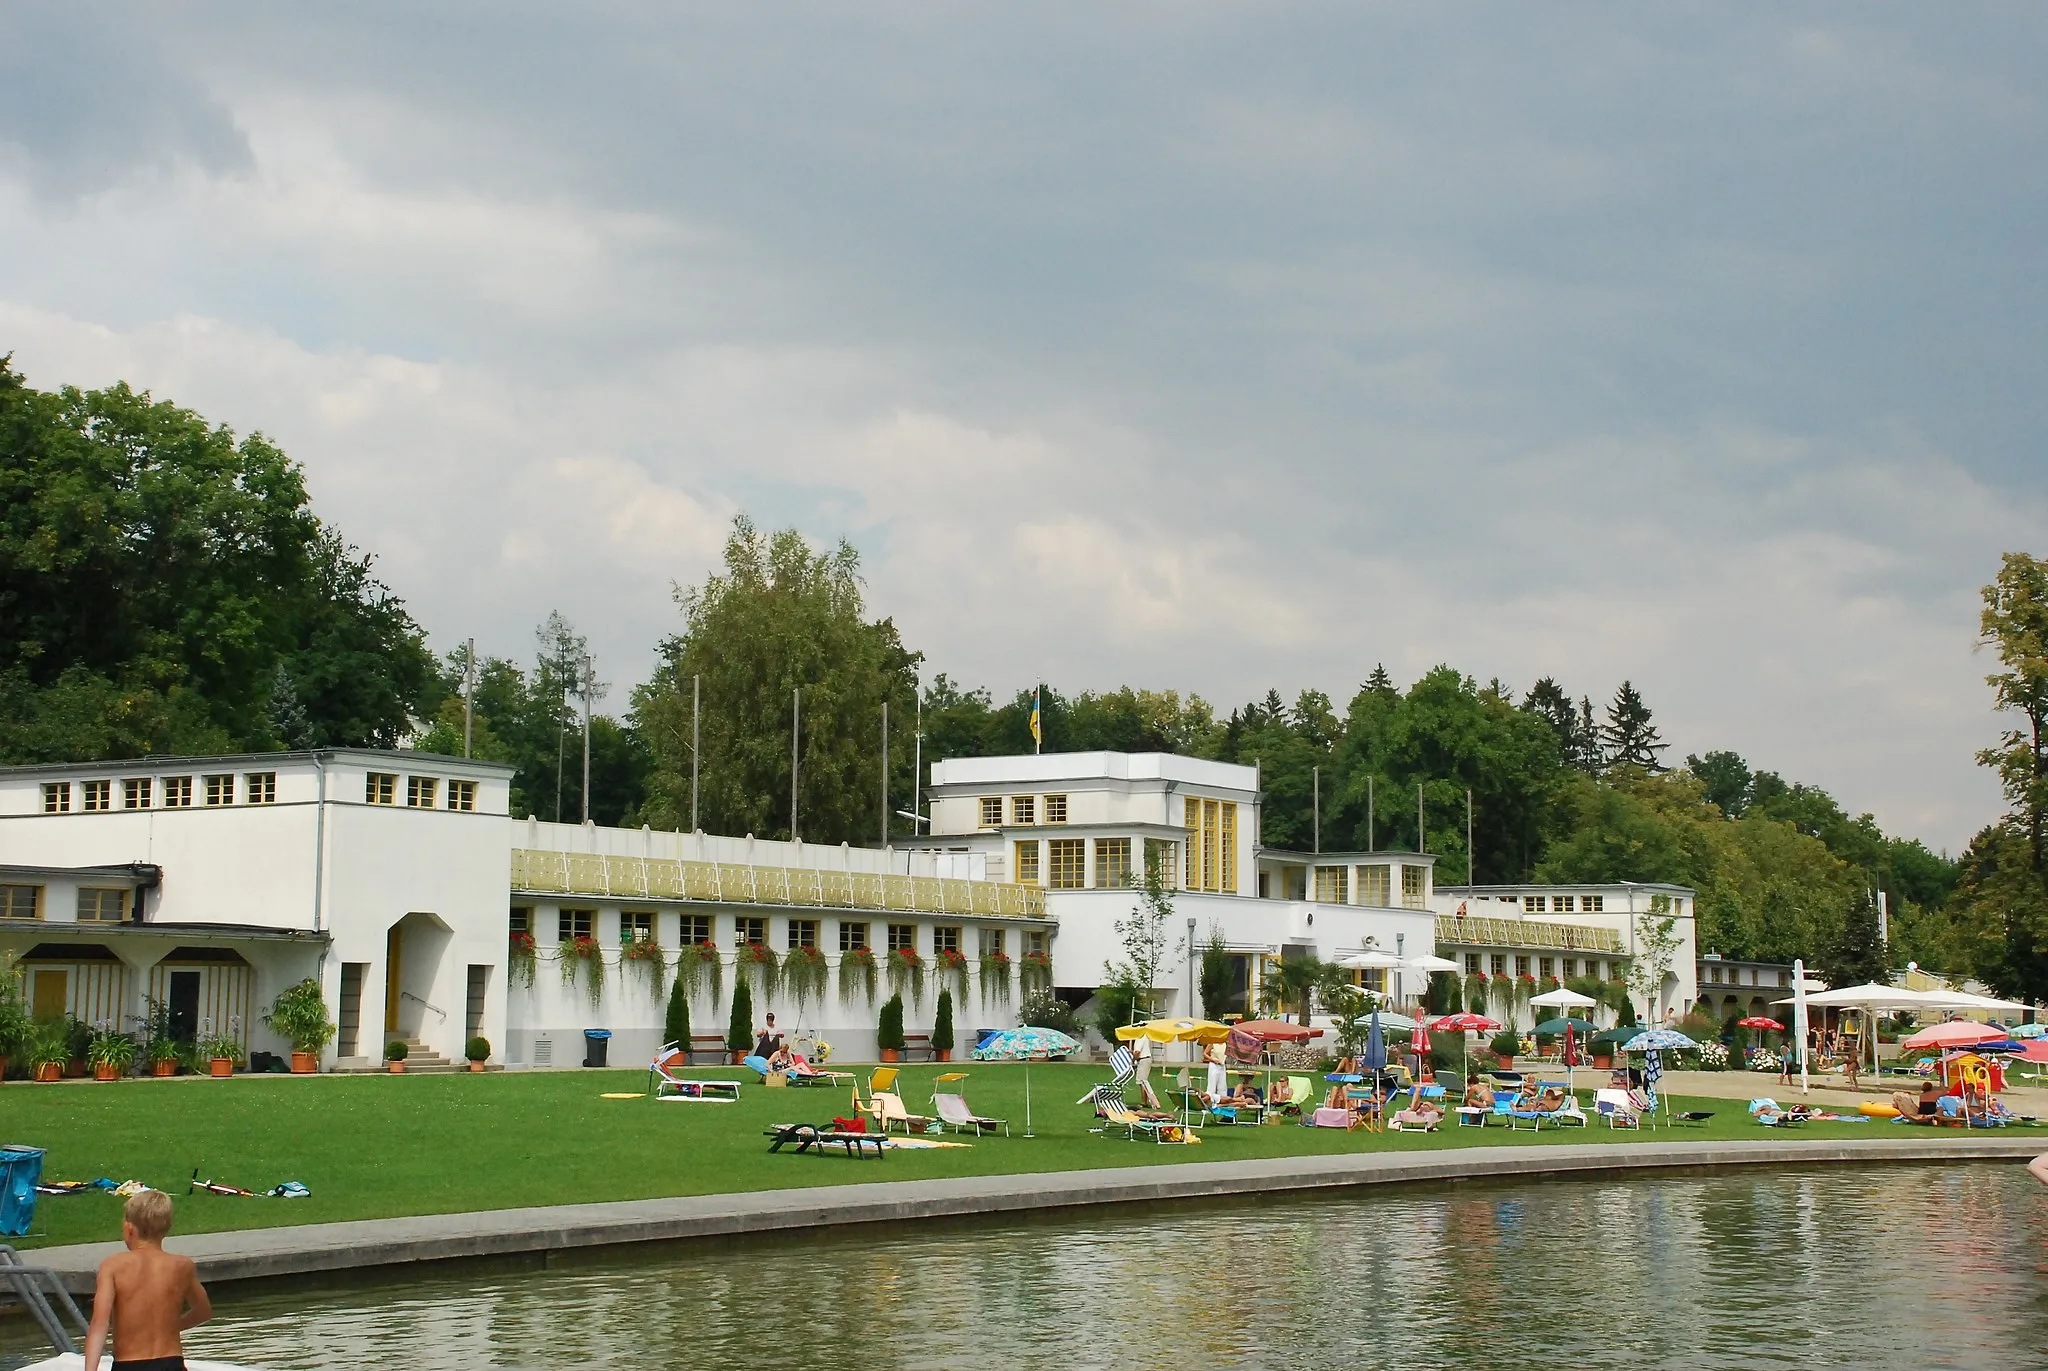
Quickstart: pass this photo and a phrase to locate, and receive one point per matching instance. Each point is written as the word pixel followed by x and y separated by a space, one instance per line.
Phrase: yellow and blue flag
pixel 1037 735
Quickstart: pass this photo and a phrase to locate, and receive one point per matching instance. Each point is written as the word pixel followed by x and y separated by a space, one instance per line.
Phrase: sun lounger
pixel 1110 1107
pixel 1618 1108
pixel 809 1137
pixel 889 1110
pixel 1300 1090
pixel 1122 1071
pixel 664 1084
pixel 801 1072
pixel 951 1107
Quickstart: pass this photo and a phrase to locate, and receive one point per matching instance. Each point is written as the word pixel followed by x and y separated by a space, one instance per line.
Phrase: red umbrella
pixel 1464 1023
pixel 1274 1031
pixel 1957 1034
pixel 1759 1021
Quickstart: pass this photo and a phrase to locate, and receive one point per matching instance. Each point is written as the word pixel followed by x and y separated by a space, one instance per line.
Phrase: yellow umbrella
pixel 1176 1031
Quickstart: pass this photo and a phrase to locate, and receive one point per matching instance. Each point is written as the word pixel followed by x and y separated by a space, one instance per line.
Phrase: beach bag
pixel 850 1125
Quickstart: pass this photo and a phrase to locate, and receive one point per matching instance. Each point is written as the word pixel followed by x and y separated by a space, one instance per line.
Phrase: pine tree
pixel 1586 753
pixel 288 713
pixel 1630 738
pixel 1379 683
pixel 739 1032
pixel 677 1028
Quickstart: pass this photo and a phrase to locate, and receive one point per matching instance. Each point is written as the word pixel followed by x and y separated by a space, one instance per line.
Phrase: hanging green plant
pixel 699 967
pixel 804 973
pixel 521 958
pixel 646 954
pixel 1475 991
pixel 951 964
pixel 583 953
pixel 858 974
pixel 906 971
pixel 758 959
pixel 1034 973
pixel 995 978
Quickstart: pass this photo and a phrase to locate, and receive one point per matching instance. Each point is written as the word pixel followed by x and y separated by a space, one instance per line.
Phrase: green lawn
pixel 378 1146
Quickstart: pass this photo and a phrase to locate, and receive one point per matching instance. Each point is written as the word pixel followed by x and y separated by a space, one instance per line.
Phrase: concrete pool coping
pixel 367 1244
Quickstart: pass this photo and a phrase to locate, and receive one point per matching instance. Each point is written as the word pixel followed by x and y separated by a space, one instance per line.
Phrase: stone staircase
pixel 419 1060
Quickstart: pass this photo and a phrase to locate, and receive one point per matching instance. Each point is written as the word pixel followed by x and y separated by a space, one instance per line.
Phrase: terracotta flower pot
pixel 163 1068
pixel 476 1068
pixel 1504 1063
pixel 304 1063
pixel 50 1071
pixel 106 1071
pixel 889 1054
pixel 222 1066
pixel 396 1068
pixel 1603 1061
pixel 942 1054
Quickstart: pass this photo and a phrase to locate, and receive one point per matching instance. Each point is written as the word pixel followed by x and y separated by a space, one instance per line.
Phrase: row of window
pixel 1562 904
pixel 138 792
pixel 1564 968
pixel 1024 809
pixel 421 792
pixel 638 925
pixel 1375 886
pixel 95 904
pixel 1065 864
pixel 1713 973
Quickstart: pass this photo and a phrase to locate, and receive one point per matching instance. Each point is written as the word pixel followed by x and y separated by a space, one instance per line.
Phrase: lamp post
pixel 1193 1053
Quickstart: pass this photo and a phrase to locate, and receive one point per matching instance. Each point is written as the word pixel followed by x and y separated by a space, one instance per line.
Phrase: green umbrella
pixel 1616 1036
pixel 1555 1027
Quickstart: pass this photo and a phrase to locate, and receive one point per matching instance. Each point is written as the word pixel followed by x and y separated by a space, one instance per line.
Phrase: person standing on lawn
pixel 147 1296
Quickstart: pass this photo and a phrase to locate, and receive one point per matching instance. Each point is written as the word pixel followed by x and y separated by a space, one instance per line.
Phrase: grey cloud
pixel 88 100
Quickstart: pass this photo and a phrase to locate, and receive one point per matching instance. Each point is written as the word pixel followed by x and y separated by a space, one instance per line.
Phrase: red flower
pixel 522 942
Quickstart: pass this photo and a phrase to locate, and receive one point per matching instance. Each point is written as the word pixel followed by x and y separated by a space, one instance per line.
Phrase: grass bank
pixel 386 1146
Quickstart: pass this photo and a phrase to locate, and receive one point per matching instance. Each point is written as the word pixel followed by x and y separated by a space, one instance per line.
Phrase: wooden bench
pixel 916 1043
pixel 713 1043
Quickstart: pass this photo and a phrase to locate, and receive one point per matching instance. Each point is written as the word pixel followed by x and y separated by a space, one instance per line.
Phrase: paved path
pixel 271 1252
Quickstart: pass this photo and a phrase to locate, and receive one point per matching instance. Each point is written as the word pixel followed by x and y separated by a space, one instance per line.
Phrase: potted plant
pixel 112 1054
pixel 220 1052
pixel 942 1028
pixel 477 1051
pixel 162 1056
pixel 300 1016
pixel 889 1029
pixel 395 1053
pixel 1505 1045
pixel 739 1029
pixel 48 1044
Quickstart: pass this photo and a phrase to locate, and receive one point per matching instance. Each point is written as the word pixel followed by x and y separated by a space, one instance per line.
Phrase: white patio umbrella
pixel 1372 959
pixel 1563 999
pixel 1429 962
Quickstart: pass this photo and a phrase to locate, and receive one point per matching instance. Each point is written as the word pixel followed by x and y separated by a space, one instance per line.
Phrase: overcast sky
pixel 1212 348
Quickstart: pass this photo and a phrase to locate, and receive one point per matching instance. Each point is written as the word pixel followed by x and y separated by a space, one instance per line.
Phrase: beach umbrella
pixel 1418 1043
pixel 1026 1045
pixel 1372 959
pixel 1562 999
pixel 1176 1031
pixel 1393 1020
pixel 1276 1031
pixel 1958 1034
pixel 2029 1030
pixel 1556 1028
pixel 1658 1040
pixel 1375 1045
pixel 1430 963
pixel 1653 1072
pixel 1762 1022
pixel 1461 1024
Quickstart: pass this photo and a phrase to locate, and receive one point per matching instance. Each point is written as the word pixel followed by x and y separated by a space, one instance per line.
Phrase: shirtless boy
pixel 149 1295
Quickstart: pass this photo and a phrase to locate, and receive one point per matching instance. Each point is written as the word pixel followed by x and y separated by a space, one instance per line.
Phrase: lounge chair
pixel 881 1081
pixel 1300 1091
pixel 801 1072
pixel 1618 1107
pixel 1110 1107
pixel 663 1082
pixel 1567 1111
pixel 1122 1071
pixel 951 1107
pixel 889 1110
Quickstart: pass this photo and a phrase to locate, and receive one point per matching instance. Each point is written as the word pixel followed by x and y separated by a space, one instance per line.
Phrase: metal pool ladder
pixel 29 1286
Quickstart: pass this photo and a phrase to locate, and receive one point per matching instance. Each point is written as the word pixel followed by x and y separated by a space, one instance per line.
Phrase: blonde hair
pixel 149 1214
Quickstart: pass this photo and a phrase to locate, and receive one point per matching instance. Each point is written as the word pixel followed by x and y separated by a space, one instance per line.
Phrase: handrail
pixel 408 995
pixel 1483 931
pixel 27 1282
pixel 657 878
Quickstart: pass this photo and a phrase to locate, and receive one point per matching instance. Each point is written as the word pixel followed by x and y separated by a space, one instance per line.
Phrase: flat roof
pixel 1284 854
pixel 94 932
pixel 1568 887
pixel 1040 768
pixel 125 871
pixel 232 760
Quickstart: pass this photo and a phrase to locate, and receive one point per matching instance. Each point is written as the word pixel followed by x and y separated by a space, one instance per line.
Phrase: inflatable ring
pixel 1878 1111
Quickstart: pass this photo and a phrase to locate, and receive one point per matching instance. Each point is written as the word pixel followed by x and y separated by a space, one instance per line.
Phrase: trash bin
pixel 20 1170
pixel 596 1043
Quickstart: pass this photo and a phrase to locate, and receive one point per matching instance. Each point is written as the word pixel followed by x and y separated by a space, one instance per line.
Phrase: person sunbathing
pixel 1422 1114
pixel 1550 1101
pixel 1479 1095
pixel 1246 1095
pixel 779 1059
pixel 1526 1099
pixel 1923 1110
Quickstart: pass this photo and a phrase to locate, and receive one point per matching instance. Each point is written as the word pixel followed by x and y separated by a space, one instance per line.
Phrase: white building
pixel 1566 931
pixel 1080 824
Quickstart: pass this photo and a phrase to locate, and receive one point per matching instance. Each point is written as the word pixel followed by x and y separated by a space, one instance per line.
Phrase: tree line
pixel 165 587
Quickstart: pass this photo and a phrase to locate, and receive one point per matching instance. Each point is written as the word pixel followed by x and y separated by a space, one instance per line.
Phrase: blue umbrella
pixel 1658 1040
pixel 1026 1045
pixel 1375 1045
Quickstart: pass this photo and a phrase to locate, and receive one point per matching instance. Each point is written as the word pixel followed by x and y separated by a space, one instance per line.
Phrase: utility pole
pixel 885 773
pixel 1421 833
pixel 1368 816
pixel 561 732
pixel 696 713
pixel 468 693
pixel 917 761
pixel 796 698
pixel 586 678
pixel 1316 781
